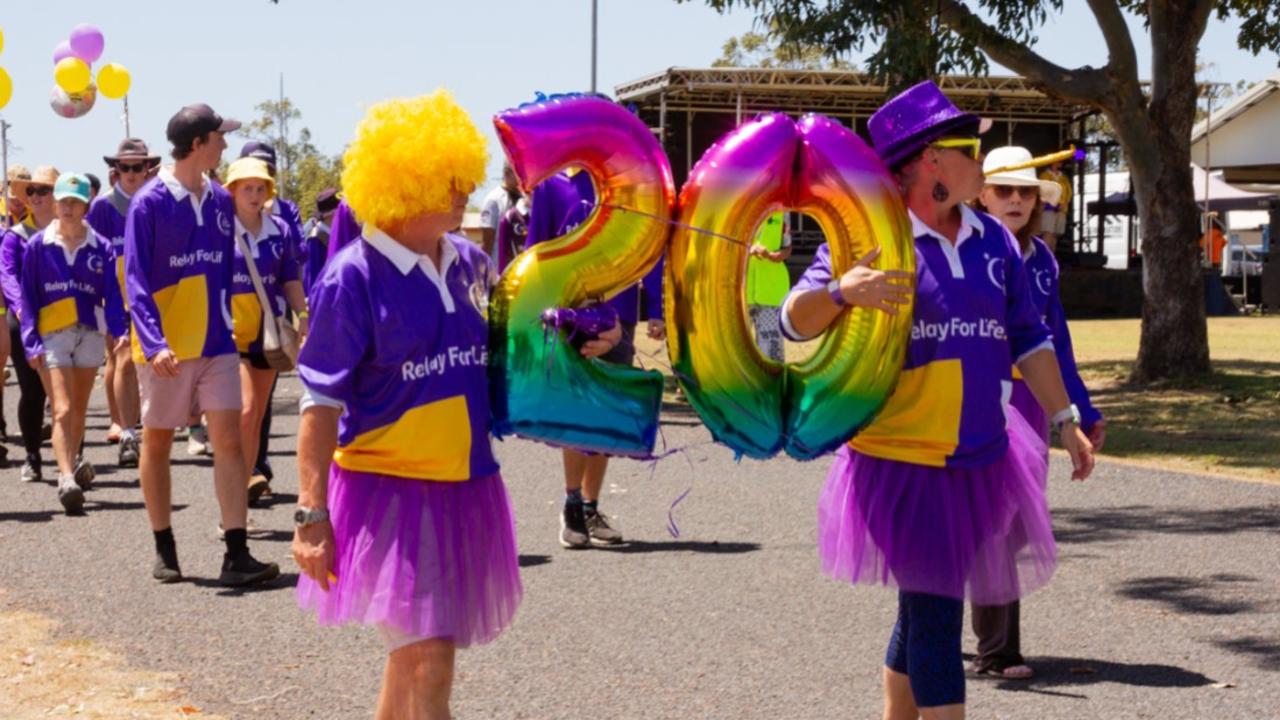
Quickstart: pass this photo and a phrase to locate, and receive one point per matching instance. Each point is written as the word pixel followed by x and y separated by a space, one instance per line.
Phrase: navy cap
pixel 196 121
pixel 261 151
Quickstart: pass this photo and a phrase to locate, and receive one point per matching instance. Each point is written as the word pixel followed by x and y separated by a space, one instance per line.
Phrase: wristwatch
pixel 1067 416
pixel 305 516
pixel 833 289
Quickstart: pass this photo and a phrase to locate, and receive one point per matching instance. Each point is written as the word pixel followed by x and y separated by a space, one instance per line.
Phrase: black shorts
pixel 624 353
pixel 257 360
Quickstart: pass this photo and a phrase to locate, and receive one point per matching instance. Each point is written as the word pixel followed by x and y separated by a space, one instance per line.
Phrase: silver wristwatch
pixel 305 516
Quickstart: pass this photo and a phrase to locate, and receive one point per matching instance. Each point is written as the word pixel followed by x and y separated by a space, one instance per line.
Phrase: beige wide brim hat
pixel 19 177
pixel 45 175
pixel 993 167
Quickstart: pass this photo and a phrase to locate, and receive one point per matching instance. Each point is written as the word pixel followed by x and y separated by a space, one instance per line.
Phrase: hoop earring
pixel 940 192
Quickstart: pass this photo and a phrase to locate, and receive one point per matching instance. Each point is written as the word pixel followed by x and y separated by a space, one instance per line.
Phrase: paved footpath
pixel 1166 603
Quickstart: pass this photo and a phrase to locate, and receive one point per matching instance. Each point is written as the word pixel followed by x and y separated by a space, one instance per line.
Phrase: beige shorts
pixel 202 385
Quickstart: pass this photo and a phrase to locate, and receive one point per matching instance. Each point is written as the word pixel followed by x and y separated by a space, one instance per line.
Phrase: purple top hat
pixel 916 117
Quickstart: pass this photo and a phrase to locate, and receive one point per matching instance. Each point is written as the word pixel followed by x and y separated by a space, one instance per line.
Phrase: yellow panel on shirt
pixel 57 316
pixel 429 442
pixel 921 422
pixel 184 318
pixel 246 319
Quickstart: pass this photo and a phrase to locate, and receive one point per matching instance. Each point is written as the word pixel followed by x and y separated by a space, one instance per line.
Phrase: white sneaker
pixel 198 441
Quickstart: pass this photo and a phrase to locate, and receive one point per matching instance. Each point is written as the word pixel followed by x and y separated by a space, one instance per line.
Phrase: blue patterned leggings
pixel 925 646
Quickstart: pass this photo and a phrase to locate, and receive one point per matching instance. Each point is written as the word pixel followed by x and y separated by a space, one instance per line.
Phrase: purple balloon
pixel 62 52
pixel 87 43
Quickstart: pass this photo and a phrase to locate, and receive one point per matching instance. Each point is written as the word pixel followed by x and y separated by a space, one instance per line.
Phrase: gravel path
pixel 1165 603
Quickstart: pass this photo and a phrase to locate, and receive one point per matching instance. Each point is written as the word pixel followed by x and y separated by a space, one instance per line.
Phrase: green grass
pixel 1227 421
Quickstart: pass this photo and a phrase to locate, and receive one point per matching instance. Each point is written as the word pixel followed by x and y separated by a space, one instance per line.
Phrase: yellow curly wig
pixel 407 156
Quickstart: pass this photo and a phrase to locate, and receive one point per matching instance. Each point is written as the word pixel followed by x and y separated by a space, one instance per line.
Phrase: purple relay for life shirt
pixel 973 313
pixel 404 348
pixel 61 289
pixel 178 260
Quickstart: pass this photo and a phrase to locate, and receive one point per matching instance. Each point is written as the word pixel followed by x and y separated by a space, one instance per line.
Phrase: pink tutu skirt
pixel 981 534
pixel 431 559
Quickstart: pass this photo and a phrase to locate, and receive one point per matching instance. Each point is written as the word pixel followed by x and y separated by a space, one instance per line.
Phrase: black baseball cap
pixel 194 121
pixel 259 150
pixel 326 200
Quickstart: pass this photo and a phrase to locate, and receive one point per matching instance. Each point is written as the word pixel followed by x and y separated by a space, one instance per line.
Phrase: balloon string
pixel 676 223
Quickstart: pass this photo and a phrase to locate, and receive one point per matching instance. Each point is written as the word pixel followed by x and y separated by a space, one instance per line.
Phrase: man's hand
pixel 313 551
pixel 165 363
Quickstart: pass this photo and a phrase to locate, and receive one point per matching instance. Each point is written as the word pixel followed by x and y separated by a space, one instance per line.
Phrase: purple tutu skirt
pixel 431 559
pixel 981 534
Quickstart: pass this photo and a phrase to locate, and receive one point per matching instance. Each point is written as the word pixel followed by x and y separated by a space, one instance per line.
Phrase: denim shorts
pixel 78 346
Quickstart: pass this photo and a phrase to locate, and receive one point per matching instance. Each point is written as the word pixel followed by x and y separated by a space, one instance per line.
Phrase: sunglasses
pixel 40 190
pixel 134 168
pixel 1026 192
pixel 969 146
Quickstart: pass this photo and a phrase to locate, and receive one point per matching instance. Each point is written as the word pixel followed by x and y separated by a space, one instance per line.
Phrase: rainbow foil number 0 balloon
pixel 542 388
pixel 753 405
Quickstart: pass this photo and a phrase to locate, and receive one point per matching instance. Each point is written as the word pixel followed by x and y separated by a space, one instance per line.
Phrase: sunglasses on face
pixel 38 190
pixel 134 168
pixel 969 146
pixel 1026 192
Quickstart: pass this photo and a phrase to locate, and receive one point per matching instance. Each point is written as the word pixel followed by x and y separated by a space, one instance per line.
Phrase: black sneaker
pixel 166 569
pixel 84 473
pixel 573 527
pixel 245 570
pixel 601 532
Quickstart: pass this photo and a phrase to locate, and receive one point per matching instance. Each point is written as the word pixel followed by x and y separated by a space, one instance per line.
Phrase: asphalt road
pixel 1165 604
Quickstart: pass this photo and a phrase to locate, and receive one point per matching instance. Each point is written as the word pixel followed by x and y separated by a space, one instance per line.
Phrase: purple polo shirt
pixel 275 256
pixel 61 290
pixel 178 261
pixel 557 206
pixel 1042 276
pixel 106 216
pixel 315 250
pixel 12 249
pixel 405 350
pixel 345 228
pixel 973 311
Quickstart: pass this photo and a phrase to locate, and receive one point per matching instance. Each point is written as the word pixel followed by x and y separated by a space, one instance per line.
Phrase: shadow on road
pixel 713 547
pixel 1119 523
pixel 527 561
pixel 1192 596
pixel 1061 672
pixel 1264 651
pixel 286 581
pixel 91 506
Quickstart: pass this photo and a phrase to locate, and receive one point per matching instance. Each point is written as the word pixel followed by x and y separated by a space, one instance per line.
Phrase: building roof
pixel 1238 106
pixel 834 92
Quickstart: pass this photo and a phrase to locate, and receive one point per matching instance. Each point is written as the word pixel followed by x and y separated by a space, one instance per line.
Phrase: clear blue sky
pixel 492 54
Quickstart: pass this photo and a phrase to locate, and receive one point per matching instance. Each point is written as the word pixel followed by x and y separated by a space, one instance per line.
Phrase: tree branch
pixel 1085 85
pixel 1122 58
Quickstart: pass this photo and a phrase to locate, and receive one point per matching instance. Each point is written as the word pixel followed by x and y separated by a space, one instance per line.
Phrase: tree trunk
pixel 1174 342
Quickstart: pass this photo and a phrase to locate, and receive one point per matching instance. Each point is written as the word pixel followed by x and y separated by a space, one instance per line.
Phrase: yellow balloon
pixel 6 87
pixel 72 75
pixel 1 41
pixel 114 81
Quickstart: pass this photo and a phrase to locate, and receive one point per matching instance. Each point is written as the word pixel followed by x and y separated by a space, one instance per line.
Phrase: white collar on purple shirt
pixel 970 224
pixel 268 230
pixel 405 259
pixel 53 237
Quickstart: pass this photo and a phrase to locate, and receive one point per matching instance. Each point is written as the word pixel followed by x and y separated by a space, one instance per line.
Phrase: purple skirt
pixel 981 534
pixel 431 559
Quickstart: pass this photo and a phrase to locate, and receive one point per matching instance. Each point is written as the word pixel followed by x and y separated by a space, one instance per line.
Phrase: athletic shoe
pixel 601 532
pixel 198 441
pixel 573 527
pixel 31 470
pixel 251 529
pixel 70 495
pixel 84 473
pixel 166 571
pixel 128 457
pixel 245 570
pixel 258 487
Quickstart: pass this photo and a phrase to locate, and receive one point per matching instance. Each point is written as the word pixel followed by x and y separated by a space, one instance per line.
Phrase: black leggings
pixel 260 465
pixel 32 399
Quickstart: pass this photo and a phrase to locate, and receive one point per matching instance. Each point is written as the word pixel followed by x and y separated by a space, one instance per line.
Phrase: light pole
pixel 594 28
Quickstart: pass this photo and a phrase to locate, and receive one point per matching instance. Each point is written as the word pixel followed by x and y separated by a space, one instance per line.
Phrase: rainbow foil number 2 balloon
pixel 753 405
pixel 542 388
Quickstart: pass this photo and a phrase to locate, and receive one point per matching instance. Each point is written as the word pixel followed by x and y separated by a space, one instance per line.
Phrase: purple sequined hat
pixel 916 117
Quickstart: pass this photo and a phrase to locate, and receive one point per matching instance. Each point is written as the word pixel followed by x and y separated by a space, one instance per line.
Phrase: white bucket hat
pixel 1010 156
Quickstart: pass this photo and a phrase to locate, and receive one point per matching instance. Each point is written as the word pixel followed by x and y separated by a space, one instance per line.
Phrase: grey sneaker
pixel 128 457
pixel 601 532
pixel 31 470
pixel 70 495
pixel 573 528
pixel 198 441
pixel 84 473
